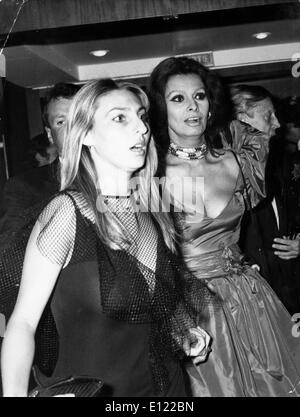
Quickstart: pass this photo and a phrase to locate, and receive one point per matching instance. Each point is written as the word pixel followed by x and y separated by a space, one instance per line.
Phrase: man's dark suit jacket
pixel 23 198
pixel 256 240
pixel 23 192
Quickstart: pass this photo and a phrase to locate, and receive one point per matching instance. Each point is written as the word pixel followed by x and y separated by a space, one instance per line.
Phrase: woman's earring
pixel 241 118
pixel 209 114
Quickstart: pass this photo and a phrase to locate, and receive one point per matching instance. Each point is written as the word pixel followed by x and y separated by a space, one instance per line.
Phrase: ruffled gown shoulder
pixel 255 348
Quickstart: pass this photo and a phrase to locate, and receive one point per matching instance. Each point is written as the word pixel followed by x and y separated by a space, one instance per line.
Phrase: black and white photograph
pixel 150 201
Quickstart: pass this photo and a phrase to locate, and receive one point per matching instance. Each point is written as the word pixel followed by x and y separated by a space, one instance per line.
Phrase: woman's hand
pixel 286 248
pixel 199 349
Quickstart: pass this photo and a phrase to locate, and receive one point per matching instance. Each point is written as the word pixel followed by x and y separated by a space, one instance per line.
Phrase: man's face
pixel 57 113
pixel 262 117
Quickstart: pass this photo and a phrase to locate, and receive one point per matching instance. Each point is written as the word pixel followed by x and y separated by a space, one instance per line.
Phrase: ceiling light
pixel 99 52
pixel 261 35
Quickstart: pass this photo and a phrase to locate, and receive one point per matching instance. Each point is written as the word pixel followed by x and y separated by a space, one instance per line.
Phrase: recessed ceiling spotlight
pixel 99 52
pixel 261 35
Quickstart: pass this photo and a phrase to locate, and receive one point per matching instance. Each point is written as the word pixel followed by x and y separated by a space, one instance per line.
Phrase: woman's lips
pixel 138 148
pixel 193 121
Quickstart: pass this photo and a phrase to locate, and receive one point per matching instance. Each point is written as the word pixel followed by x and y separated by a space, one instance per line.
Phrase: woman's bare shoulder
pixel 225 162
pixel 230 162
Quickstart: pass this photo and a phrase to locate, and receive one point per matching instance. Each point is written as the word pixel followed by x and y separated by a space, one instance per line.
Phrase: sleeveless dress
pixel 118 313
pixel 254 350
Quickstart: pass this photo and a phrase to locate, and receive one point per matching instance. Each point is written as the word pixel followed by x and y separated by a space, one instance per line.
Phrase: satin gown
pixel 254 349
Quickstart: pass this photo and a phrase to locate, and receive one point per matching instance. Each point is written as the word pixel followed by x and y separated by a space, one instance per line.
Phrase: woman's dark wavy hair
pixel 219 104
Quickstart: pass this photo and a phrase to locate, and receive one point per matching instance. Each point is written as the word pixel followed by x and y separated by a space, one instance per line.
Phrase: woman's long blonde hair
pixel 78 170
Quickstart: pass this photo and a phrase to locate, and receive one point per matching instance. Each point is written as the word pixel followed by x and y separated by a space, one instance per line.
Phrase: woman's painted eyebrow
pixel 174 91
pixel 182 91
pixel 124 109
pixel 118 109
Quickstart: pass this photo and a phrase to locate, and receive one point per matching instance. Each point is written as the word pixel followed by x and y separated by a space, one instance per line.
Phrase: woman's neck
pixel 188 142
pixel 112 181
pixel 191 151
pixel 113 185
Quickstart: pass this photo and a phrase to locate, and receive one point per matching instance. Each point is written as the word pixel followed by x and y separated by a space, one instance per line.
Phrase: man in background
pixel 23 198
pixel 34 187
pixel 271 239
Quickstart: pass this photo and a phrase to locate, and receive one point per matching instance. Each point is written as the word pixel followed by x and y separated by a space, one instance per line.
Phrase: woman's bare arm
pixel 38 279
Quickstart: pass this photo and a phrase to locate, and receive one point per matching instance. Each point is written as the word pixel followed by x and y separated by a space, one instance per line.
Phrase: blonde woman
pixel 104 265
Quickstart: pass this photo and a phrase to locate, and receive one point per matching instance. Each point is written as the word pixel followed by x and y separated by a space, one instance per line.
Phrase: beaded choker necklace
pixel 187 153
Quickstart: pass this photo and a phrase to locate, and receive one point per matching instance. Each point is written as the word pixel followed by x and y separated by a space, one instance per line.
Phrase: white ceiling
pixel 41 65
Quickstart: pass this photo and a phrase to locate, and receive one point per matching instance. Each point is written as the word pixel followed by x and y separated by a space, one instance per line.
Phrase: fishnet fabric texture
pixel 142 283
pixel 58 226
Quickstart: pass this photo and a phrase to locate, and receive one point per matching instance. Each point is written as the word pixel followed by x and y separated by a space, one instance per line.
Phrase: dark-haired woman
pixel 254 352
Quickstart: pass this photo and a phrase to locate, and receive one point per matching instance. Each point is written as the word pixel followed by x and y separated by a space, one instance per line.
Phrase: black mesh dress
pixel 120 314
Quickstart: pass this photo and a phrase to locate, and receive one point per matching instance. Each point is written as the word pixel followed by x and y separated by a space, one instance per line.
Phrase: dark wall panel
pixel 44 14
pixel 23 123
pixel 3 168
pixel 281 87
